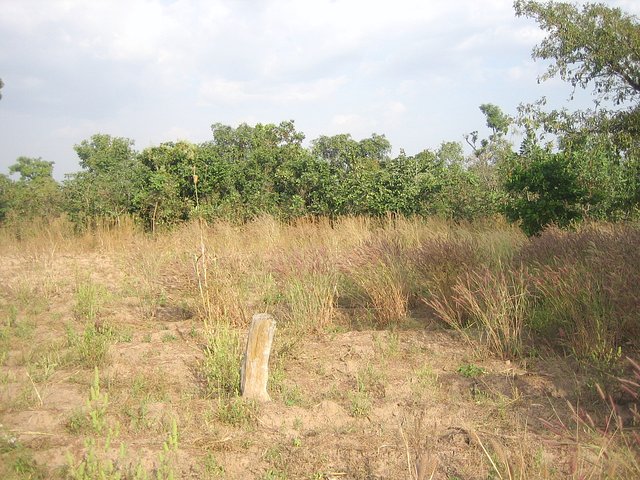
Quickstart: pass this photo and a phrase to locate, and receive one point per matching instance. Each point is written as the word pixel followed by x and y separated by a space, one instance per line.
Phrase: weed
pixel 359 403
pixel 90 298
pixel 236 411
pixel 97 404
pixel 138 416
pixel 470 370
pixel 221 364
pixel 78 422
pixel 45 364
pixel 212 467
pixel 169 337
pixel 90 349
pixel 274 474
pixel 426 377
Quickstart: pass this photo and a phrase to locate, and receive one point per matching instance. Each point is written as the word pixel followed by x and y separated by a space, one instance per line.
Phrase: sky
pixel 160 70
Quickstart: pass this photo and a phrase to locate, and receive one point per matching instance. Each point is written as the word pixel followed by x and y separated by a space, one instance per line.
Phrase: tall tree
pixel 598 160
pixel 105 188
pixel 35 194
pixel 593 44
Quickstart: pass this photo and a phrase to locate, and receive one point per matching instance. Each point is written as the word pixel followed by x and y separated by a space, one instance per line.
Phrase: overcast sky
pixel 163 70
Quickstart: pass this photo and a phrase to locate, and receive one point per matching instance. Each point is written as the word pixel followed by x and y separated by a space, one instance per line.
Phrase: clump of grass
pixel 212 467
pixel 89 349
pixel 585 290
pixel 379 270
pixel 439 262
pixel 359 403
pixel 312 301
pixel 220 367
pixel 90 298
pixel 495 303
pixel 236 411
pixel 605 446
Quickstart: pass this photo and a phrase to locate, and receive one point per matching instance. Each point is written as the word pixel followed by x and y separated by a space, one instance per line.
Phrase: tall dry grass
pixel 492 305
pixel 573 290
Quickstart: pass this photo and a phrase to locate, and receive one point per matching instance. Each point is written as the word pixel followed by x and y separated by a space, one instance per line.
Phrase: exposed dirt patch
pixel 363 404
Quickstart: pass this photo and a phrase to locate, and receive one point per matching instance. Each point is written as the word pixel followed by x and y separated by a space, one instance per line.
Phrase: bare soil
pixel 346 404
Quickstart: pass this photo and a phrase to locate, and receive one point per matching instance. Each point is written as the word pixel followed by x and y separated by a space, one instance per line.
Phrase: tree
pixel 32 168
pixel 35 194
pixel 164 185
pixel 543 189
pixel 596 44
pixel 590 46
pixel 105 188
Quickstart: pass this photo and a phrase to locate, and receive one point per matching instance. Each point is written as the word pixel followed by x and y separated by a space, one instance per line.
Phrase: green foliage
pixel 590 45
pixel 97 405
pixel 543 189
pixel 31 168
pixel 595 43
pixel 105 188
pixel 497 121
pixel 91 349
pixel 35 195
pixel 221 364
pixel 470 370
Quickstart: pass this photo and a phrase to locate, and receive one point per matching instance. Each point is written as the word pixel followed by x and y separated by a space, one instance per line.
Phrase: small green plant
pixel 221 365
pixel 212 467
pixel 236 411
pixel 370 381
pixel 165 470
pixel 169 337
pixel 90 349
pixel 97 405
pixel 90 298
pixel 470 370
pixel 359 403
pixel 92 466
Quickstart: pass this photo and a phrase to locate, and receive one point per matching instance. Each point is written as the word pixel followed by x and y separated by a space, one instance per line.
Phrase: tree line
pixel 568 167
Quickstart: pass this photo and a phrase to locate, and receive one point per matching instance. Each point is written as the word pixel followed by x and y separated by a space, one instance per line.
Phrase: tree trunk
pixel 255 363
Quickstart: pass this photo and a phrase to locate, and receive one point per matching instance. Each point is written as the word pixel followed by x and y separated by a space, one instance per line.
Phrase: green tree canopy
pixel 105 188
pixel 593 44
pixel 32 168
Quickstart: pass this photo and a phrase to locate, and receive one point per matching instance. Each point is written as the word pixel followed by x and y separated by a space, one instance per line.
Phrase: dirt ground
pixel 346 404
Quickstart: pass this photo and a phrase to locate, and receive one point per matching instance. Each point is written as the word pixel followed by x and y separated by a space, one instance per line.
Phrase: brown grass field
pixel 405 349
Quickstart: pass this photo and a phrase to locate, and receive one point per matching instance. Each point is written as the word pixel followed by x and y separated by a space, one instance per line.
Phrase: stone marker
pixel 254 372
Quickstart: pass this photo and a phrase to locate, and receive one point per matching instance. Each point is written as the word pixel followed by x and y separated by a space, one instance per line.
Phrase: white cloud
pixel 229 91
